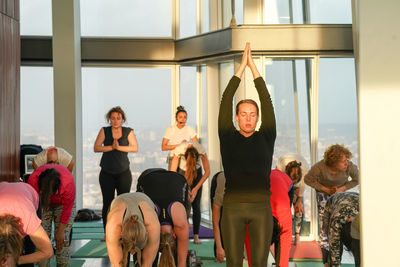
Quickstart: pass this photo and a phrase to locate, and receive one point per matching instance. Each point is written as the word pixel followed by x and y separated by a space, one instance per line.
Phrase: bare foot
pixel 196 240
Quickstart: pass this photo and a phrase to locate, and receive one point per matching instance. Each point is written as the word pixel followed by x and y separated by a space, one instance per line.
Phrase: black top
pixel 115 161
pixel 246 160
pixel 163 188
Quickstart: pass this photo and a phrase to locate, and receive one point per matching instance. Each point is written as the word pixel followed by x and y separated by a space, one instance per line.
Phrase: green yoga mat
pixel 72 263
pixel 96 224
pixel 92 249
pixel 88 230
pixel 80 236
pixel 205 251
pixel 318 264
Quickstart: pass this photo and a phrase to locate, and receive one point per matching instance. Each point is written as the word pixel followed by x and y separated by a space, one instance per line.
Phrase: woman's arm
pixel 98 144
pixel 165 146
pixel 174 164
pixel 206 166
pixel 181 229
pixel 268 124
pixel 113 236
pixel 153 230
pixel 216 215
pixel 132 147
pixel 44 249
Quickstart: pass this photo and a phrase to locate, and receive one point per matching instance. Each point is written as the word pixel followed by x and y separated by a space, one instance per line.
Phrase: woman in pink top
pixel 18 219
pixel 57 194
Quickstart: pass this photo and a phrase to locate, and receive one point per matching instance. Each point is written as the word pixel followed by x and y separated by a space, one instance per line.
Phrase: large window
pixel 150 18
pixel 35 17
pixel 187 19
pixel 146 102
pixel 37 106
pixel 337 112
pixel 188 89
pixel 312 11
pixel 287 83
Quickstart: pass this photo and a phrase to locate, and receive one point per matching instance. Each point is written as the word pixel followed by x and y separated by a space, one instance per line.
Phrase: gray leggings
pixel 233 225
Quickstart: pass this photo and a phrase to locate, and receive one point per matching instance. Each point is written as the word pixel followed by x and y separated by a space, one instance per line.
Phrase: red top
pixel 280 206
pixel 66 193
pixel 22 201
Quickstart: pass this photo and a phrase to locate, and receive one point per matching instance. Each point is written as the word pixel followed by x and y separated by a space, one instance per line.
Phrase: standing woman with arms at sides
pixel 188 156
pixel 115 141
pixel 179 133
pixel 247 158
pixel 327 177
pixel 132 227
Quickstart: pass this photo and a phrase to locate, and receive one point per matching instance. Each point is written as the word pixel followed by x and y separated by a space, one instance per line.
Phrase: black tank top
pixel 115 161
pixel 163 188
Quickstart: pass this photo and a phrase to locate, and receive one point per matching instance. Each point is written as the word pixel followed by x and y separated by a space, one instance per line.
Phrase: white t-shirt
pixel 285 159
pixel 180 152
pixel 64 158
pixel 176 135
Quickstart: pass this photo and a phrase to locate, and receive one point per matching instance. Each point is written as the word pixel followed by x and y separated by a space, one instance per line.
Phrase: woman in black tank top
pixel 115 142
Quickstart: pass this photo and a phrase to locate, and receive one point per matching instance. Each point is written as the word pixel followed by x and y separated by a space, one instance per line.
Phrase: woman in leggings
pixel 115 142
pixel 247 158
pixel 188 155
pixel 168 190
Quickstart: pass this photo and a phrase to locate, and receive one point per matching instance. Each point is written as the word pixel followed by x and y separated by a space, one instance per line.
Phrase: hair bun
pixel 180 108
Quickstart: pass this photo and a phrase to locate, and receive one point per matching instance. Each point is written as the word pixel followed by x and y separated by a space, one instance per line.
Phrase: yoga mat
pixel 71 263
pixel 87 224
pixel 88 230
pixel 205 251
pixel 306 250
pixel 204 232
pixel 92 249
pixel 79 236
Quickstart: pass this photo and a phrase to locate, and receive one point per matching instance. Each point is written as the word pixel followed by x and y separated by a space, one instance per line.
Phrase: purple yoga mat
pixel 204 232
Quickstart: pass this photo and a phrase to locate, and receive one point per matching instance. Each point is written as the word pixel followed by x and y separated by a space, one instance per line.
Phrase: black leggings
pixel 196 202
pixel 234 219
pixel 109 183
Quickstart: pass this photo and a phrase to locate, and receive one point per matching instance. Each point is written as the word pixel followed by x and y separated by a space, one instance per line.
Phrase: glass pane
pixel 337 111
pixel 330 11
pixel 205 16
pixel 283 12
pixel 225 74
pixel 187 18
pixel 31 22
pixel 188 81
pixel 146 105
pixel 204 126
pixel 37 106
pixel 151 18
pixel 287 83
pixel 205 199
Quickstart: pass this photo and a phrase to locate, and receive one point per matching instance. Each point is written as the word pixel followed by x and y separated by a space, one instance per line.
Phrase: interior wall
pixel 9 90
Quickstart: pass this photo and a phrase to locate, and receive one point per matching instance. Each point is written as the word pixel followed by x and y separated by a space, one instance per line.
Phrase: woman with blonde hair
pixel 132 227
pixel 188 156
pixel 168 191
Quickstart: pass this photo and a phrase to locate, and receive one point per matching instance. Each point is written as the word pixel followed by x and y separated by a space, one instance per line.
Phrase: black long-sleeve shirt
pixel 246 160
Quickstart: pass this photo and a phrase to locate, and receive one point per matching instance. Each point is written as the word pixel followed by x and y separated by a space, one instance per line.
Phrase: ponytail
pixel 191 156
pixel 167 246
pixel 134 237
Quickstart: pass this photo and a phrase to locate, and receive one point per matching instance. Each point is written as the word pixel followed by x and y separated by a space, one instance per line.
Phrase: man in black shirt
pixel 246 158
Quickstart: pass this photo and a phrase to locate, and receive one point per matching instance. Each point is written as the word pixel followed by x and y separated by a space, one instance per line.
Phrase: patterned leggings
pixel 53 215
pixel 323 238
